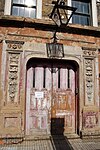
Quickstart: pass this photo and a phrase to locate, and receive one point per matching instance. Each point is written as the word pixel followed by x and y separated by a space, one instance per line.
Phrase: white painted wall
pixel 39 9
pixel 7 9
pixel 94 13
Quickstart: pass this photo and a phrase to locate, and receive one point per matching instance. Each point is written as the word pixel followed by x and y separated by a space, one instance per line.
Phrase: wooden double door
pixel 51 97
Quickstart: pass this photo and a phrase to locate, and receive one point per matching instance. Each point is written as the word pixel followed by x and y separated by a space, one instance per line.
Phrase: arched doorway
pixel 51 96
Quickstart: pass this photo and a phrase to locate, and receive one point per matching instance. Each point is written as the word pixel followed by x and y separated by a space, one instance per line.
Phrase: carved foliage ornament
pixel 89 79
pixel 13 75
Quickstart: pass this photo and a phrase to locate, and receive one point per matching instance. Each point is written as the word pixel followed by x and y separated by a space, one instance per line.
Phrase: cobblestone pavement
pixel 79 144
pixel 55 144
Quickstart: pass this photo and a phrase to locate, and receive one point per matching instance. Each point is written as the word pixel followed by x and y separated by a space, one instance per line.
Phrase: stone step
pixel 37 137
pixel 72 136
pixel 48 137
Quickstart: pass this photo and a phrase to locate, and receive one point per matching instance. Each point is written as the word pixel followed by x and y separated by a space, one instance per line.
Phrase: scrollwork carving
pixel 13 75
pixel 14 44
pixel 89 79
pixel 89 52
pixel 90 119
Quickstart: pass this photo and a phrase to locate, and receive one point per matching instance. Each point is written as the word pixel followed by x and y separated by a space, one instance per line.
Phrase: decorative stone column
pixel 11 117
pixel 90 111
pixel 14 49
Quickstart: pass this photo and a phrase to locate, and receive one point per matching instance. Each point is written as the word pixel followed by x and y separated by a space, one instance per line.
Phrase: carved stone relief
pixel 15 45
pixel 13 76
pixel 90 119
pixel 14 49
pixel 89 52
pixel 89 79
pixel 89 76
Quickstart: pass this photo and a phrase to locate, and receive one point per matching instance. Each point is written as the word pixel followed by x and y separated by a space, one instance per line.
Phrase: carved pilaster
pixel 89 80
pixel 13 76
pixel 89 61
pixel 14 49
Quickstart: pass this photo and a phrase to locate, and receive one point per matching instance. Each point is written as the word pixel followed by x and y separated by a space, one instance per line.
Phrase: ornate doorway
pixel 51 98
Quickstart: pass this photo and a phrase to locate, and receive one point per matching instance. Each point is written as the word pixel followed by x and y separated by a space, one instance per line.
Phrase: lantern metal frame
pixel 56 14
pixel 55 49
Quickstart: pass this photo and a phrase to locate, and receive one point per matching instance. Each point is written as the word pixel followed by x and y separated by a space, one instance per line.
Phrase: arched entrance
pixel 51 97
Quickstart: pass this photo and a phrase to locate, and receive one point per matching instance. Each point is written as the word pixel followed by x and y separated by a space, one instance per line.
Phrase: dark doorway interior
pixel 59 141
pixel 57 126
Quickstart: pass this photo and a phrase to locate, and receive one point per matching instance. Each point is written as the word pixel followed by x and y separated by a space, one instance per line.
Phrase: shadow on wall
pixel 58 140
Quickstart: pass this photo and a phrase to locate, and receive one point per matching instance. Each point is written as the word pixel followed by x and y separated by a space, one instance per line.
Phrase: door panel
pixel 63 78
pixel 39 78
pixel 63 106
pixel 50 98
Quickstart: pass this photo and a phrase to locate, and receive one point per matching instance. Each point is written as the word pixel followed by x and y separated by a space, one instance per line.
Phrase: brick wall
pixel 46 8
pixel 2 6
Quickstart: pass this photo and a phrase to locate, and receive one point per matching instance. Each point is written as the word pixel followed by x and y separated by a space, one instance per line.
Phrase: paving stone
pixel 55 144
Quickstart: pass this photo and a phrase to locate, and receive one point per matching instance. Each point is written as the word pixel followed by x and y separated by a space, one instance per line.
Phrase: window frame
pixel 83 14
pixel 8 5
pixel 20 5
pixel 93 12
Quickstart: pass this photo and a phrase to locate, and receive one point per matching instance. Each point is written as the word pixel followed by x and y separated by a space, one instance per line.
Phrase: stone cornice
pixel 47 24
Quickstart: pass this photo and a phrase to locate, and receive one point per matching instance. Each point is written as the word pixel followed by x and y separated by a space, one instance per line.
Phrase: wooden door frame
pixel 77 105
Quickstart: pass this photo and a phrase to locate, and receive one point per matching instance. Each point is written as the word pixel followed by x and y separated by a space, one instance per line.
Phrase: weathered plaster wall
pixel 27 40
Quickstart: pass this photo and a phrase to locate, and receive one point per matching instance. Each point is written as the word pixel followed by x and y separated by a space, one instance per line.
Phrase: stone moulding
pixel 15 45
pixel 89 52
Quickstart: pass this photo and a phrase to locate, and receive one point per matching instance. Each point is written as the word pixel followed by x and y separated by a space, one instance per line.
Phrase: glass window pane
pixel 82 15
pixel 30 12
pixel 26 13
pixel 85 8
pixel 81 6
pixel 85 20
pixel 21 11
pixel 75 19
pixel 30 2
pixel 33 13
pixel 78 19
pixel 75 4
pixel 18 1
pixel 15 11
pixel 15 1
pixel 22 1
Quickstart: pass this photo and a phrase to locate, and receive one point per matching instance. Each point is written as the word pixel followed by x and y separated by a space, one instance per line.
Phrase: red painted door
pixel 50 97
